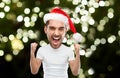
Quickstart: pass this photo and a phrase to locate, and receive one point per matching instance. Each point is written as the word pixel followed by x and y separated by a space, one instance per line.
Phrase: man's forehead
pixel 56 23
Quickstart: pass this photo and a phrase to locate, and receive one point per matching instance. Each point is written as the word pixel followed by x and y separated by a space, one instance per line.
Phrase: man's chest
pixel 56 58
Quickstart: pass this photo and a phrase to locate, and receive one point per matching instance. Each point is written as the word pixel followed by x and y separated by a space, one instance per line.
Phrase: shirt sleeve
pixel 71 55
pixel 39 54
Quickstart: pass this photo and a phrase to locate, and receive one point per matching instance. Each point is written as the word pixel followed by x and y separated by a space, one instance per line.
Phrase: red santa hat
pixel 58 14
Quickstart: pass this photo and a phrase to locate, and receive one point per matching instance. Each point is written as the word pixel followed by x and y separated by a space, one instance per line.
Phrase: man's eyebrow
pixel 60 26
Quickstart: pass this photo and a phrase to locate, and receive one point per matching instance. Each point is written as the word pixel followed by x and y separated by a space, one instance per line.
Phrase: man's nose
pixel 56 32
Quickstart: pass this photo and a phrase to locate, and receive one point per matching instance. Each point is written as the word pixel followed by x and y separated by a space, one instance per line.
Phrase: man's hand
pixel 75 64
pixel 33 47
pixel 34 62
pixel 77 48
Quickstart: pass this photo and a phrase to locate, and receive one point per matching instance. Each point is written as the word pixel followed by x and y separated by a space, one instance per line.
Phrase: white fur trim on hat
pixel 55 16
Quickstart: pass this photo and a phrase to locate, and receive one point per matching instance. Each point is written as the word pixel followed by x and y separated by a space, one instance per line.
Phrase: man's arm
pixel 34 62
pixel 75 64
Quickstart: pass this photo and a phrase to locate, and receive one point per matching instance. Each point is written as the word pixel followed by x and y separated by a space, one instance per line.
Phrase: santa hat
pixel 58 14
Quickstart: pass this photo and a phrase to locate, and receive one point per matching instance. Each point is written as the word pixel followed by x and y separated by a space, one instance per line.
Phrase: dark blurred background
pixel 98 21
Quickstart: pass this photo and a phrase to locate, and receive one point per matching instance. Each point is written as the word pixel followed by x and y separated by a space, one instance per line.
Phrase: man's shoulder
pixel 66 47
pixel 44 47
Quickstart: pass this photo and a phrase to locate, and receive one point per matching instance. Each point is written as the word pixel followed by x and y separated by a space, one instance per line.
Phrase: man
pixel 55 57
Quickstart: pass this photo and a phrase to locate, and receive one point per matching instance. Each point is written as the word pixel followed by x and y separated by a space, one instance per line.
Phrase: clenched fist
pixel 33 47
pixel 77 48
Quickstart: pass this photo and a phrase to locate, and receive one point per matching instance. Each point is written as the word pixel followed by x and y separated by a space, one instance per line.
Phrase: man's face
pixel 55 32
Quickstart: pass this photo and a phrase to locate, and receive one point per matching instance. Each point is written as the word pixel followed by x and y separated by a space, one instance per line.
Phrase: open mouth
pixel 56 39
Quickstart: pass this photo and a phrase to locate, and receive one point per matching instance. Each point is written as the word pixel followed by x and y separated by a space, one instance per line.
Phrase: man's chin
pixel 55 46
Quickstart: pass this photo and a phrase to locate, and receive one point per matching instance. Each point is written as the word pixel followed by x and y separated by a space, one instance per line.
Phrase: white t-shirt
pixel 55 61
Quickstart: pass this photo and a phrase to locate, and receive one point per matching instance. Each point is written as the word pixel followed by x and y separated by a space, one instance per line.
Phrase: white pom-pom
pixel 77 37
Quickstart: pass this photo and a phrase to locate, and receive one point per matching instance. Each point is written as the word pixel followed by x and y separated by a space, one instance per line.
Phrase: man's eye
pixel 52 28
pixel 61 29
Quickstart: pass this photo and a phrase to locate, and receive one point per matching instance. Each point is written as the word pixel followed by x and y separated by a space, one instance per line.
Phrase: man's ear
pixel 67 29
pixel 45 29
